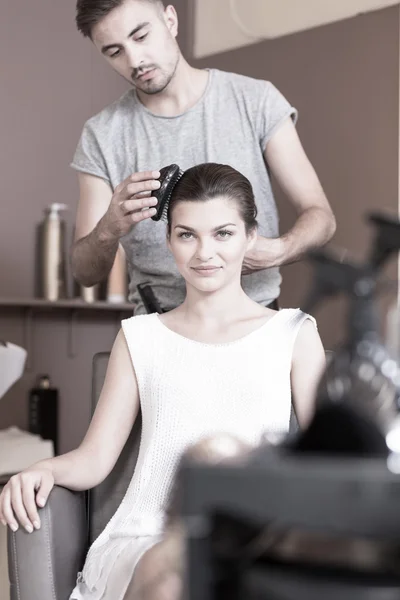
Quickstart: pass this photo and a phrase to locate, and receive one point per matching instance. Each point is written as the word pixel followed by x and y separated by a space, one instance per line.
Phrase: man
pixel 175 113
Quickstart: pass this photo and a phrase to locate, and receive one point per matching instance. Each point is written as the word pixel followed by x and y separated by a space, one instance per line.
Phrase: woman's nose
pixel 205 251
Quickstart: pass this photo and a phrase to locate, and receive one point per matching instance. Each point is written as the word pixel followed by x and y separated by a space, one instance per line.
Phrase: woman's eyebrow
pixel 214 229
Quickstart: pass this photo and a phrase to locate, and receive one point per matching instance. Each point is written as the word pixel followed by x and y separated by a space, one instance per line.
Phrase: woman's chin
pixel 207 285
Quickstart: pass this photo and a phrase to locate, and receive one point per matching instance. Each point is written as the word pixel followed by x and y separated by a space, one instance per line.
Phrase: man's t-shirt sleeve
pixel 274 110
pixel 88 156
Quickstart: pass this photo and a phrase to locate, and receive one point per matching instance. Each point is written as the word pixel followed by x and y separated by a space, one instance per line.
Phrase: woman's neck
pixel 224 305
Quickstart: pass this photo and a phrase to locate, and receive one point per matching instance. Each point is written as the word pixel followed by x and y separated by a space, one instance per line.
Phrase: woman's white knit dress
pixel 188 390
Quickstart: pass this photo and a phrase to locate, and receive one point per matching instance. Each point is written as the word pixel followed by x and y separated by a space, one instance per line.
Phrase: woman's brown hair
pixel 211 180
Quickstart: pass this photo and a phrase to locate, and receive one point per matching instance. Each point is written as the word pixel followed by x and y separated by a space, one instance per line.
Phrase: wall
pixel 343 78
pixel 52 80
pixel 228 24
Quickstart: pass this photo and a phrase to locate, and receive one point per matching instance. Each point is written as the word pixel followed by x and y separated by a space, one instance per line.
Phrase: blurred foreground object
pixel 358 401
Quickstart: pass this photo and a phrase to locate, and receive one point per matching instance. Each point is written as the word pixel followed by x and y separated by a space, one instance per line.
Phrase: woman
pixel 220 362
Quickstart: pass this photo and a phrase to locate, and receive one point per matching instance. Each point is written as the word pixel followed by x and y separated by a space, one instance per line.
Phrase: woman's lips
pixel 206 271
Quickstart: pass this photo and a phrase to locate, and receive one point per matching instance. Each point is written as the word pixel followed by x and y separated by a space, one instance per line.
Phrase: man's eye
pixel 114 54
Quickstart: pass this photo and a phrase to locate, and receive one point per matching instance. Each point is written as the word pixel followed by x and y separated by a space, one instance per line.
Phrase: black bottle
pixel 43 411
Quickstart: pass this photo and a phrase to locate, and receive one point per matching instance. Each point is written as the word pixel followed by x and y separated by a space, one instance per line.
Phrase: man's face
pixel 138 40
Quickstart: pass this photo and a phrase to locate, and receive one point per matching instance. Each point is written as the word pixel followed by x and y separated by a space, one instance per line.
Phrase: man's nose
pixel 134 59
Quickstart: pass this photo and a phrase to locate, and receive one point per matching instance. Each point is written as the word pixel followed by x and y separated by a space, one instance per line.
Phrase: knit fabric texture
pixel 189 390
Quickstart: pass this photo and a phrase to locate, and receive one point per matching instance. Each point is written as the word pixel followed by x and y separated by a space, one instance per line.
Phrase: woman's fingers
pixel 21 497
pixel 18 506
pixel 28 497
pixel 44 488
pixel 2 517
pixel 7 511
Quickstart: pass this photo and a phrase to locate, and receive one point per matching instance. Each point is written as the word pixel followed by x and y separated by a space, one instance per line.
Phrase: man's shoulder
pixel 244 83
pixel 116 111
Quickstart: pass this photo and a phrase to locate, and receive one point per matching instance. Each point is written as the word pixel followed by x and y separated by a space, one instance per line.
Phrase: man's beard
pixel 151 87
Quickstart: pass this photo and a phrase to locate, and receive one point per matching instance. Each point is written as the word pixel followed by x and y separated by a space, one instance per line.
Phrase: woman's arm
pixel 89 464
pixel 109 429
pixel 308 366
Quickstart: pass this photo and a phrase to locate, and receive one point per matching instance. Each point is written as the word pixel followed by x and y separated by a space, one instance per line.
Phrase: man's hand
pixel 130 204
pixel 295 175
pixel 267 252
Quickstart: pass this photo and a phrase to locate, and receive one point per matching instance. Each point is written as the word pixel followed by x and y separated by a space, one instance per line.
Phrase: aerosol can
pixel 52 257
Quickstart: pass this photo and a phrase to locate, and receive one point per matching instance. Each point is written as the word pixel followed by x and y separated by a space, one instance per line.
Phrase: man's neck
pixel 184 91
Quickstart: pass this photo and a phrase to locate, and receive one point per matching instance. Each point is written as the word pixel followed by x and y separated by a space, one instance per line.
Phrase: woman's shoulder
pixel 308 345
pixel 295 317
pixel 138 323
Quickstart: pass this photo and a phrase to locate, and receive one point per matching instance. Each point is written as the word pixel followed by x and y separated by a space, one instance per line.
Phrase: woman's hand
pixel 22 495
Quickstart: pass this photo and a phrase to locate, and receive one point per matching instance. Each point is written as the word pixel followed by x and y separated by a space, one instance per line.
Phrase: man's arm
pixel 315 224
pixel 104 217
pixel 94 249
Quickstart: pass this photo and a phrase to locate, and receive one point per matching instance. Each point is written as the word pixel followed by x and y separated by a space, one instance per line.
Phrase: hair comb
pixel 169 177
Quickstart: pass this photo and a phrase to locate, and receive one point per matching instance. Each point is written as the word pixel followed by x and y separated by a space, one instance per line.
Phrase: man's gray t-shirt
pixel 230 124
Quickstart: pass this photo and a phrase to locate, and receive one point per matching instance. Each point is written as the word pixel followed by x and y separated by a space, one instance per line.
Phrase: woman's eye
pixel 186 235
pixel 141 38
pixel 224 234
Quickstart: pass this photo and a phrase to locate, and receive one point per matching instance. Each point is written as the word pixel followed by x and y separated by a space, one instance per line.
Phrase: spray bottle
pixel 52 254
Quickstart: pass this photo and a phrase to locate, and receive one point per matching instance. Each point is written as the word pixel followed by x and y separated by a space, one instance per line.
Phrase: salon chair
pixel 44 565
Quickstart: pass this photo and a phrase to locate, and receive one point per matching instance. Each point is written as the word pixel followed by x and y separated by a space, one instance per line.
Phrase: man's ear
pixel 171 19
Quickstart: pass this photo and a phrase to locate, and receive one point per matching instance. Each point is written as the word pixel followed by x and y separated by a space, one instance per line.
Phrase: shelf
pixel 69 303
pixel 73 306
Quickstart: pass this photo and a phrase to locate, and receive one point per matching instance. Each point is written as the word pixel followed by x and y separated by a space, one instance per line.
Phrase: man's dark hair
pixel 91 12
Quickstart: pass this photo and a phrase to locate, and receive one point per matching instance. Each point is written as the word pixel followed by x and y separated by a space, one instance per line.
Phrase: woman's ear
pixel 252 238
pixel 168 239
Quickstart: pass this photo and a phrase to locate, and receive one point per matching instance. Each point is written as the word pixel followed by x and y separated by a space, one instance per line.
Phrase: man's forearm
pixel 313 228
pixel 92 257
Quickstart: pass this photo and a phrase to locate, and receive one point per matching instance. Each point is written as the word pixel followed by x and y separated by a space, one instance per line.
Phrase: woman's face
pixel 208 240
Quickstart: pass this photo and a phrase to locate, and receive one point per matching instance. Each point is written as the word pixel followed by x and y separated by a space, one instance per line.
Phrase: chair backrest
pixel 104 499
